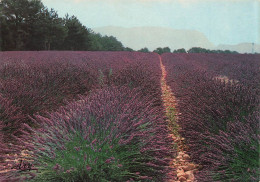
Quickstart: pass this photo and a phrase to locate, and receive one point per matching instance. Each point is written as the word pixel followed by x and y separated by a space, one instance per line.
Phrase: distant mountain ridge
pixel 154 37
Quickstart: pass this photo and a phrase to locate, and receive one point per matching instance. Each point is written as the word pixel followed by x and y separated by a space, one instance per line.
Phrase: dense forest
pixel 29 25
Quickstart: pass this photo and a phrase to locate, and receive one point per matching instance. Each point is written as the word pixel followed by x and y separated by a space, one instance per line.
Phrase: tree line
pixel 160 50
pixel 29 25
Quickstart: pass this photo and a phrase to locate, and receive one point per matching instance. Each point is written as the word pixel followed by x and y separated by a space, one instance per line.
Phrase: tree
pixel 128 49
pixel 95 41
pixel 78 35
pixel 1 27
pixel 48 32
pixel 28 25
pixel 110 43
pixel 203 50
pixel 180 51
pixel 160 50
pixel 18 16
pixel 166 49
pixel 198 50
pixel 144 50
pixel 105 43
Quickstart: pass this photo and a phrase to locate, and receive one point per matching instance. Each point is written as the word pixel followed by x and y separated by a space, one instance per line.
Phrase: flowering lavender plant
pixel 39 82
pixel 113 135
pixel 234 154
pixel 11 118
pixel 219 119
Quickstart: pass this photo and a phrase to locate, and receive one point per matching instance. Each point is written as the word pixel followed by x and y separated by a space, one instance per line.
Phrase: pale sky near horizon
pixel 222 21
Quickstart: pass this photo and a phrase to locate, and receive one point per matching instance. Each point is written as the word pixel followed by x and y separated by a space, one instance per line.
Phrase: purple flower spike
pixel 88 168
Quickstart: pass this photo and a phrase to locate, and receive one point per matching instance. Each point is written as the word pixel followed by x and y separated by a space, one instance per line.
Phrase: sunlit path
pixel 183 167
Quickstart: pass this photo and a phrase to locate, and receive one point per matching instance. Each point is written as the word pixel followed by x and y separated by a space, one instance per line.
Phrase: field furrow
pixel 182 165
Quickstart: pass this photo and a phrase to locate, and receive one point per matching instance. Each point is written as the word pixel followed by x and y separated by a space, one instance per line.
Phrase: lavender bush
pixel 218 119
pixel 234 154
pixel 11 118
pixel 115 134
pixel 36 86
pixel 37 82
pixel 141 76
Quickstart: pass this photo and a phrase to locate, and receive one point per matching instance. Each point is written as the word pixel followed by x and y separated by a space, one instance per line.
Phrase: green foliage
pixel 110 43
pixel 166 49
pixel 97 164
pixel 110 72
pixel 197 50
pixel 1 25
pixel 243 163
pixel 48 32
pixel 179 51
pixel 28 25
pixel 19 17
pixel 160 50
pixel 144 50
pixel 78 35
pixel 247 159
pixel 101 78
pixel 105 43
pixel 129 49
pixel 96 43
pixel 203 50
pixel 108 136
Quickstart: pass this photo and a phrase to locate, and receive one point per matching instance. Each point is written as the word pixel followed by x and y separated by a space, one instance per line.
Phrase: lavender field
pixel 218 98
pixel 101 116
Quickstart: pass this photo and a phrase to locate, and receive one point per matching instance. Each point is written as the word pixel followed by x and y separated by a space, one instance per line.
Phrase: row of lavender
pixel 243 68
pixel 219 119
pixel 82 116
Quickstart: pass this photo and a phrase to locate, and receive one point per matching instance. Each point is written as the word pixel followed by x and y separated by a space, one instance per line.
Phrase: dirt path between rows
pixel 183 167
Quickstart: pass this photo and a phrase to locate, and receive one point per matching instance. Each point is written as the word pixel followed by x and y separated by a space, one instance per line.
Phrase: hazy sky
pixel 222 21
